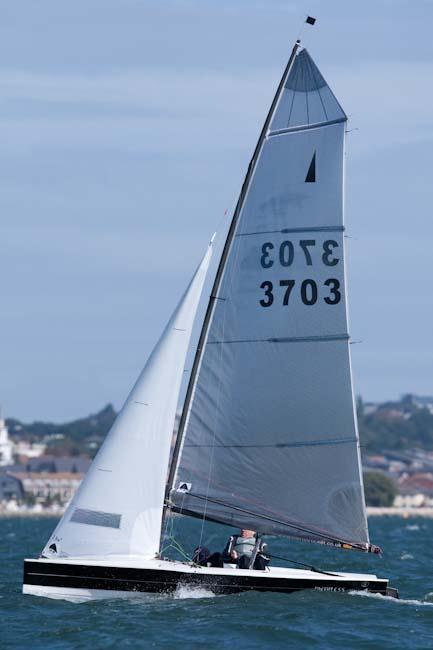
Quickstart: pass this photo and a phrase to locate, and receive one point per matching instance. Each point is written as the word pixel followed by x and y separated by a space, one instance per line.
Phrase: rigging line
pixel 218 390
pixel 211 456
pixel 174 526
pixel 169 520
pixel 172 542
pixel 307 566
pixel 220 270
pixel 175 546
pixel 323 536
pixel 216 418
pixel 229 211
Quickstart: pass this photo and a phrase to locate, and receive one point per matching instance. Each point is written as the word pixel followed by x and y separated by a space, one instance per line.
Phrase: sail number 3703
pixel 309 291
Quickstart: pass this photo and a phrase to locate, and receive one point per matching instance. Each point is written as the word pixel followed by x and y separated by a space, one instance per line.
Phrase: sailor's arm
pixel 229 551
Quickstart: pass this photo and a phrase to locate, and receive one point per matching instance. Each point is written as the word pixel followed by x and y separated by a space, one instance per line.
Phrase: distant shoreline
pixel 405 513
pixel 31 513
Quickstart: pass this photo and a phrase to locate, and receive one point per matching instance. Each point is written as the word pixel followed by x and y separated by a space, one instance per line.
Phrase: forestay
pixel 118 508
pixel 270 439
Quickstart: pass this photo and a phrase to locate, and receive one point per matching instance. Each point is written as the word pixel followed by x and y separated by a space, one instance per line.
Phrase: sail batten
pixel 287 339
pixel 281 445
pixel 293 230
pixel 305 127
pixel 281 281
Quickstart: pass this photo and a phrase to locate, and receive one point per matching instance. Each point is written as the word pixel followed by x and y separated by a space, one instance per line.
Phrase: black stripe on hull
pixel 73 576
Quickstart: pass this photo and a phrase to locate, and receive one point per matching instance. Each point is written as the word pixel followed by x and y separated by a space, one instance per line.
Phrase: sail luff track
pixel 219 274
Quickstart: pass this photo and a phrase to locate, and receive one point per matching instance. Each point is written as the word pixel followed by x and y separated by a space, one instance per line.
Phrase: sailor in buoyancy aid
pixel 247 550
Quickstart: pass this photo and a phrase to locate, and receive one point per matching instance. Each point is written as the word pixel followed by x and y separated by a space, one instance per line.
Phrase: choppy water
pixel 196 619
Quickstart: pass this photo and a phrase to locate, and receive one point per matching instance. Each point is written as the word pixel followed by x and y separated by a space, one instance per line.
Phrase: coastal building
pixel 375 461
pixel 24 449
pixel 11 488
pixel 414 484
pixel 53 464
pixel 6 445
pixel 423 403
pixel 44 487
pixel 410 501
pixel 369 408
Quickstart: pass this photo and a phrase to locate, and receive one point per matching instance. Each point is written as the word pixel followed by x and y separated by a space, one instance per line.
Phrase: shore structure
pixel 6 445
pixel 405 513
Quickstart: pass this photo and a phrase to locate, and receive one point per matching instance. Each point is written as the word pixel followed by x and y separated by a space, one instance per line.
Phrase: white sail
pixel 270 438
pixel 118 508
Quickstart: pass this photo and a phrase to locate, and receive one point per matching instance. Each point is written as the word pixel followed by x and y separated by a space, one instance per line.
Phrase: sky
pixel 126 129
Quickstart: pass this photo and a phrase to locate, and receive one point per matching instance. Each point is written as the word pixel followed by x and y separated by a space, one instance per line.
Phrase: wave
pixel 187 591
pixel 398 601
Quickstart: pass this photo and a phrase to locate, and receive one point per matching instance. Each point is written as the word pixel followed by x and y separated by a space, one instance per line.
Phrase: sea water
pixel 195 618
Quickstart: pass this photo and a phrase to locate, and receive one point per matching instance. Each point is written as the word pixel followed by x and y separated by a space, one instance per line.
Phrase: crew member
pixel 247 550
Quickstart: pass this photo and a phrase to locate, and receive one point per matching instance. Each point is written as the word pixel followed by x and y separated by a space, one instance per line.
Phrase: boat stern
pixel 392 592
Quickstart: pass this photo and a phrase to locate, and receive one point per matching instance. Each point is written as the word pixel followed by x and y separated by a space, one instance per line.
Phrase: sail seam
pixel 288 339
pixel 305 127
pixel 285 231
pixel 283 445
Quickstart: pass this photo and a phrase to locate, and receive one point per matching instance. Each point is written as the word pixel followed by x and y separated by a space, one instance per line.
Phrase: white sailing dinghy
pixel 268 436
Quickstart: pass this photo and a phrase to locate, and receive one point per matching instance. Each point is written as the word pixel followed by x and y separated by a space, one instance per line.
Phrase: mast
pixel 214 294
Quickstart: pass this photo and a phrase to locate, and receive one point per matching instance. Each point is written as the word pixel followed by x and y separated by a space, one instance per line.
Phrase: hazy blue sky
pixel 126 127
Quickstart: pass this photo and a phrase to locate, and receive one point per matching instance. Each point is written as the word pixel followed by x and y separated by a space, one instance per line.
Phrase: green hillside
pixel 396 425
pixel 83 436
pixel 402 424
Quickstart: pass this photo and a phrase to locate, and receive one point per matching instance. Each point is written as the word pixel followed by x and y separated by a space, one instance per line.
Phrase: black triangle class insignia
pixel 311 174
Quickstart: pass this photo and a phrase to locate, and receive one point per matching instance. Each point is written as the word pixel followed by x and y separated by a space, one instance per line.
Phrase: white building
pixel 6 445
pixel 29 449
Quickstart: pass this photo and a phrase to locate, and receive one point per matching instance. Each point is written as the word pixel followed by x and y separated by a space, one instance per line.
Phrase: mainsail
pixel 268 437
pixel 118 507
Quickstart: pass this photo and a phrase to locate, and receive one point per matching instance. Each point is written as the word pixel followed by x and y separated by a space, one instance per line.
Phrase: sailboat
pixel 268 436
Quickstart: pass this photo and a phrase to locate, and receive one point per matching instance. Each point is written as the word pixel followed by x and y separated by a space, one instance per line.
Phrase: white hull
pixel 79 595
pixel 119 577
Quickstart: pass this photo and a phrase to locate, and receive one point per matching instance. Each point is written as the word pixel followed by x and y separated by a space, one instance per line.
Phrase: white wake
pixel 397 601
pixel 187 591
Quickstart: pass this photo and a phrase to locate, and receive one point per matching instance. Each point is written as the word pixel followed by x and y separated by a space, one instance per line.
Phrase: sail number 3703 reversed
pixel 309 291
